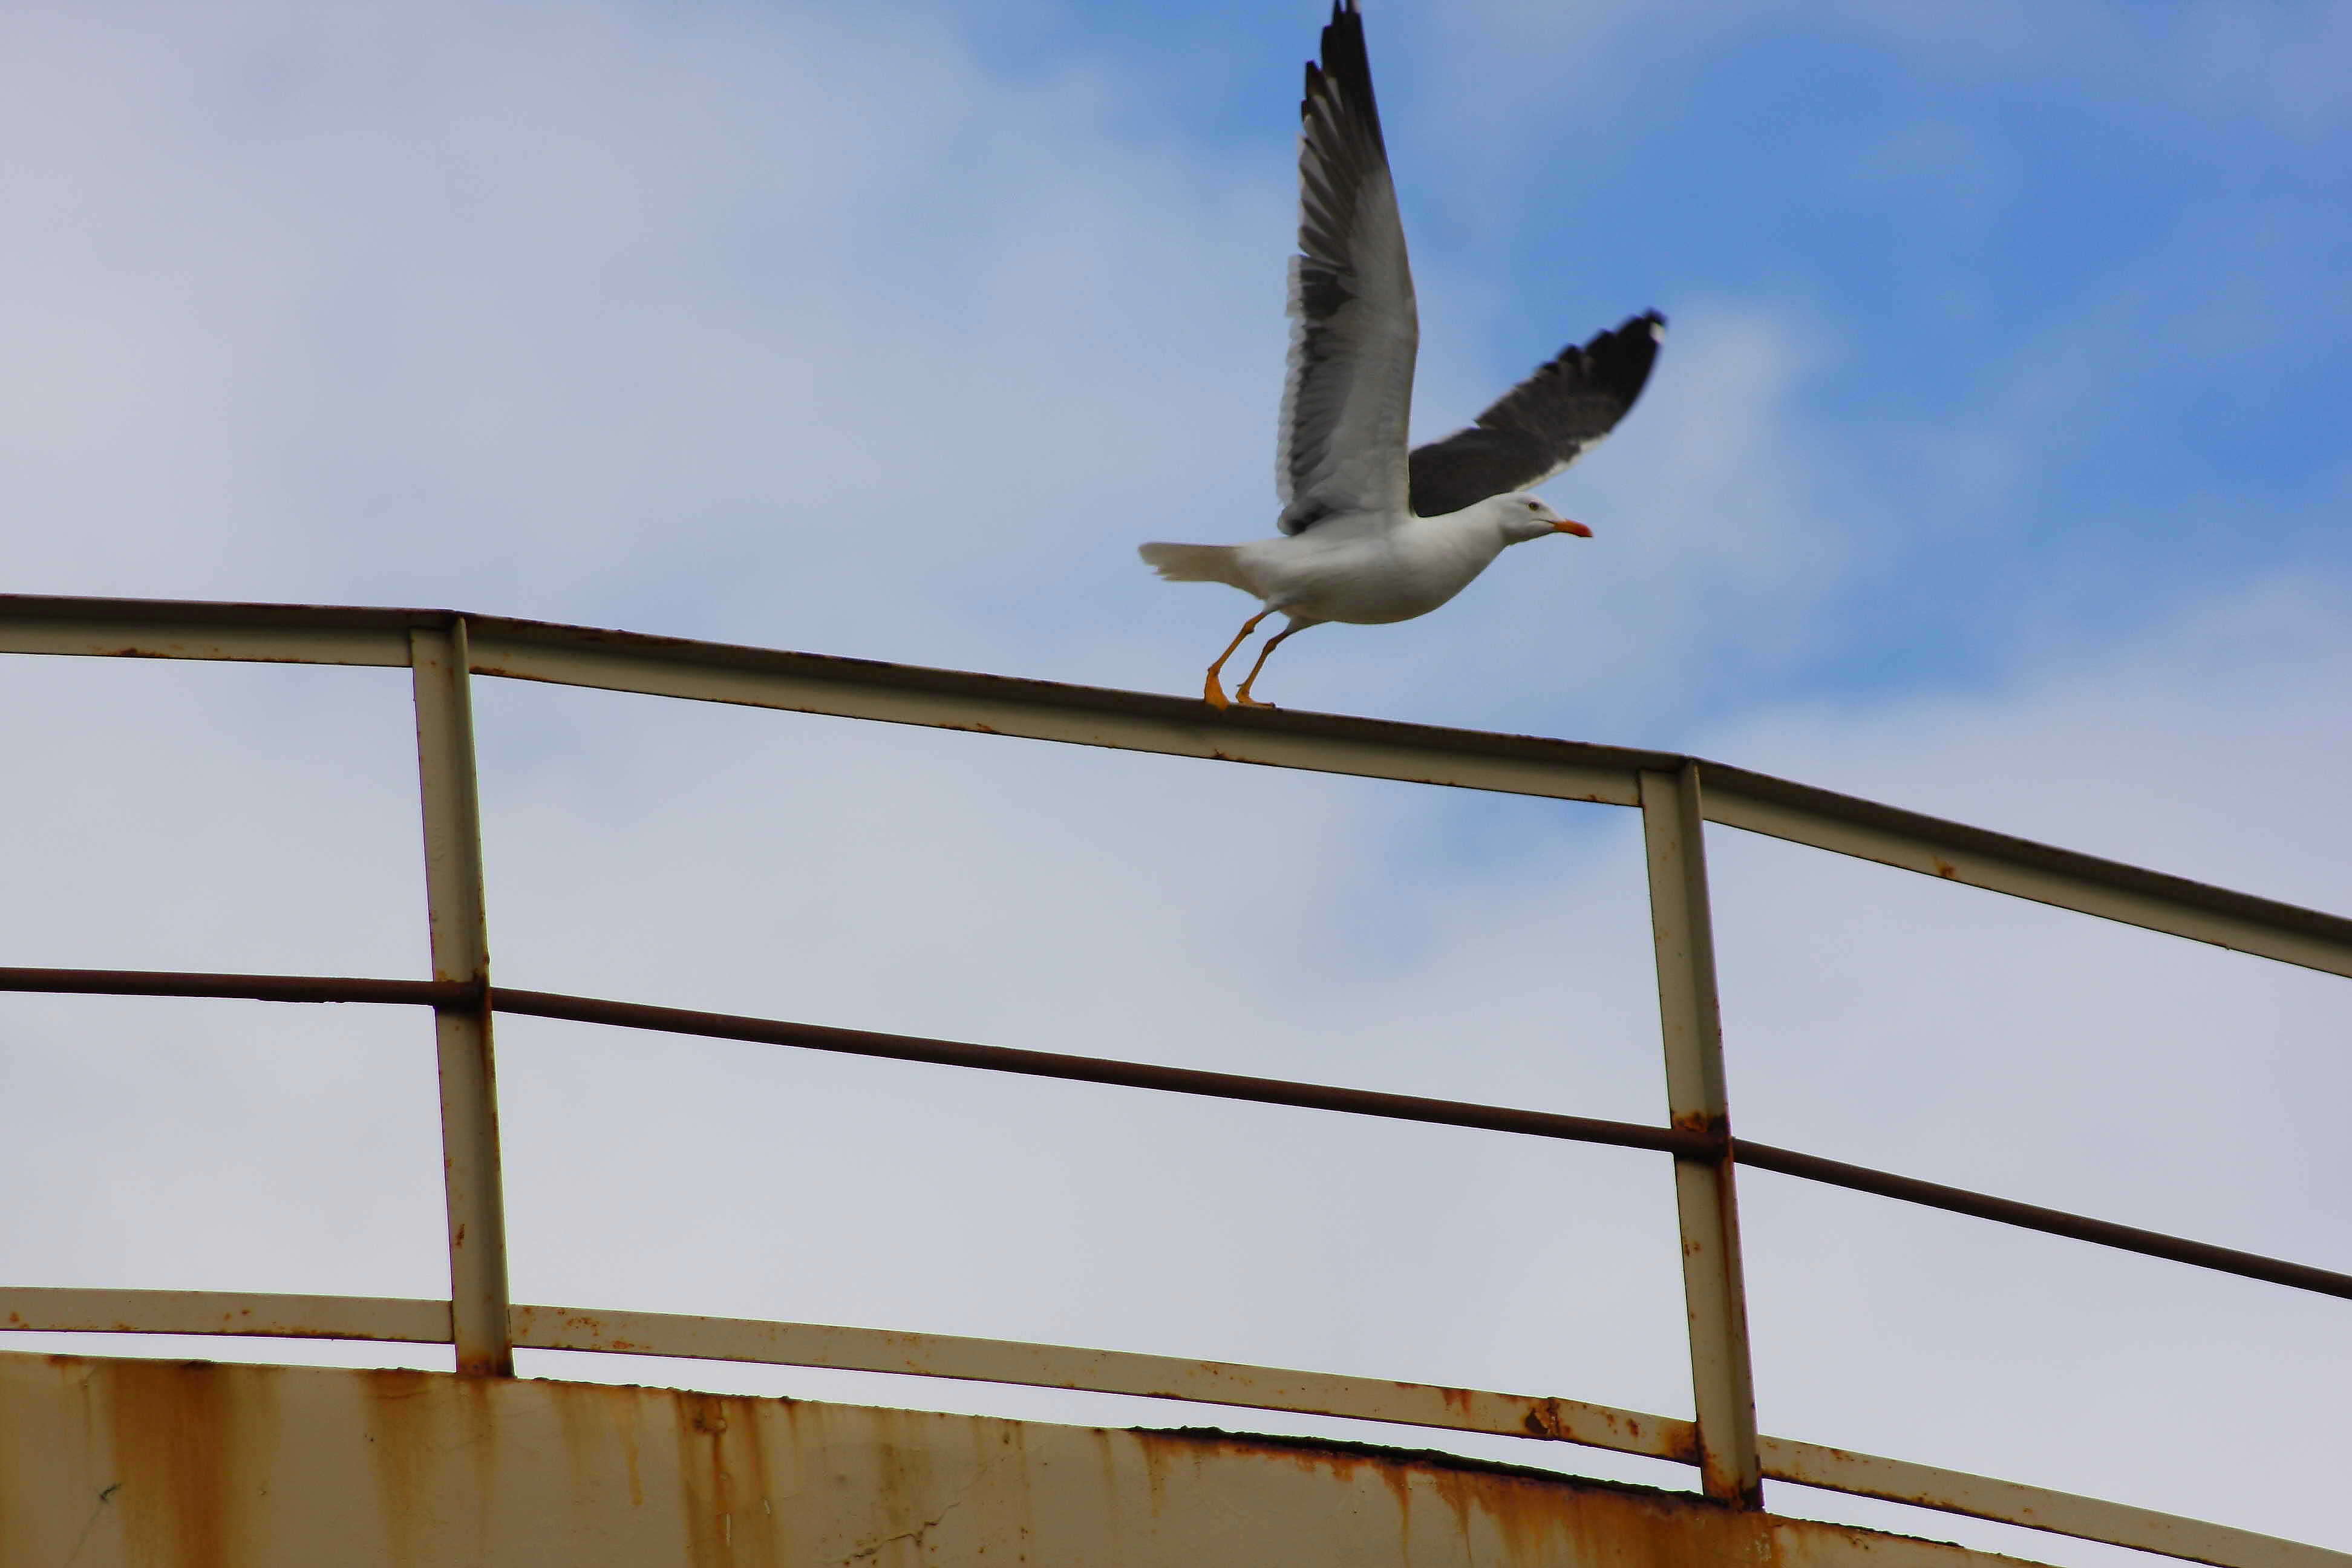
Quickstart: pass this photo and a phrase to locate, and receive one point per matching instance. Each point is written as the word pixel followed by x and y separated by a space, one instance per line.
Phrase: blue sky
pixel 2117 237
pixel 2056 298
pixel 1994 466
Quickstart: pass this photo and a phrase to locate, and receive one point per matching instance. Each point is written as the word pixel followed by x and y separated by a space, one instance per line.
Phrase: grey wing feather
pixel 1347 398
pixel 1542 424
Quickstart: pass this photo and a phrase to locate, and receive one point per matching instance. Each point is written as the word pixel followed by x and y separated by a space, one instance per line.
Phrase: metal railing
pixel 1675 794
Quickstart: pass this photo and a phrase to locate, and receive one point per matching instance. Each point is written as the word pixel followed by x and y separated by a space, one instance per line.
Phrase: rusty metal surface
pixel 41 1308
pixel 1188 1080
pixel 627 661
pixel 196 1465
pixel 459 921
pixel 1111 1372
pixel 1706 1208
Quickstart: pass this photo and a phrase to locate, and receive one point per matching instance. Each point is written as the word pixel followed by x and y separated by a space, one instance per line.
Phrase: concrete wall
pixel 159 1464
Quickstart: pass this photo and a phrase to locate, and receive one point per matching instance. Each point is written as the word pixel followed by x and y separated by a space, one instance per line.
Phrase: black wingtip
pixel 1618 360
pixel 1346 66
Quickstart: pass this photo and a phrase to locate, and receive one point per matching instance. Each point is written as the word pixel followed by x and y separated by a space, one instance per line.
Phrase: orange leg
pixel 1215 694
pixel 1243 696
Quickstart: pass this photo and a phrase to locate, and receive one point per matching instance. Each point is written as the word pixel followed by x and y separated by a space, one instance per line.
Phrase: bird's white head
pixel 1524 517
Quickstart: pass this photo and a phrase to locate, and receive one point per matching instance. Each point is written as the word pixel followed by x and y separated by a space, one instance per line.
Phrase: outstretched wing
pixel 1542 424
pixel 1353 330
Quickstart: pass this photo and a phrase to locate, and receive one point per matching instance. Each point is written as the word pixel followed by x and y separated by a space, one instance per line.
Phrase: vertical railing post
pixel 1722 1382
pixel 461 951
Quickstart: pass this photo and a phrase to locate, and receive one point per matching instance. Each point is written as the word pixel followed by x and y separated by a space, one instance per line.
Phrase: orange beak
pixel 1577 529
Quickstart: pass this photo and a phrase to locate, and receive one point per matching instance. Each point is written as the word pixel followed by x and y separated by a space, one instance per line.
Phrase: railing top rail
pixel 1153 722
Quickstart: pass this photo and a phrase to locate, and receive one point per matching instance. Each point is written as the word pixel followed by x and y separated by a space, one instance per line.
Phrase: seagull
pixel 1371 533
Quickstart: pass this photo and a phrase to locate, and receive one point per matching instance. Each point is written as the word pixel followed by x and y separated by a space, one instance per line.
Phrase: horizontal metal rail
pixel 2049 1221
pixel 397 1319
pixel 1241 1386
pixel 1127 1373
pixel 1182 1080
pixel 241 987
pixel 1173 726
pixel 2035 1507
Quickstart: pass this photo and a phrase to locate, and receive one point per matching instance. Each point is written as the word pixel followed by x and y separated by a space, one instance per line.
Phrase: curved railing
pixel 1676 794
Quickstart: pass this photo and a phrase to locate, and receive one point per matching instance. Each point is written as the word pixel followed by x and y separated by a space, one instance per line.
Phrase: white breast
pixel 1369 575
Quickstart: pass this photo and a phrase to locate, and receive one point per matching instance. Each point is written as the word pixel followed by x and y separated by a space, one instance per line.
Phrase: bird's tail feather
pixel 1196 563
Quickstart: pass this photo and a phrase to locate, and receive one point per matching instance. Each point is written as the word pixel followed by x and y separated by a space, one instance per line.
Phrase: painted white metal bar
pixel 1103 1371
pixel 2037 1507
pixel 1705 1200
pixel 2014 867
pixel 156 635
pixel 36 1308
pixel 461 952
pixel 1077 715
